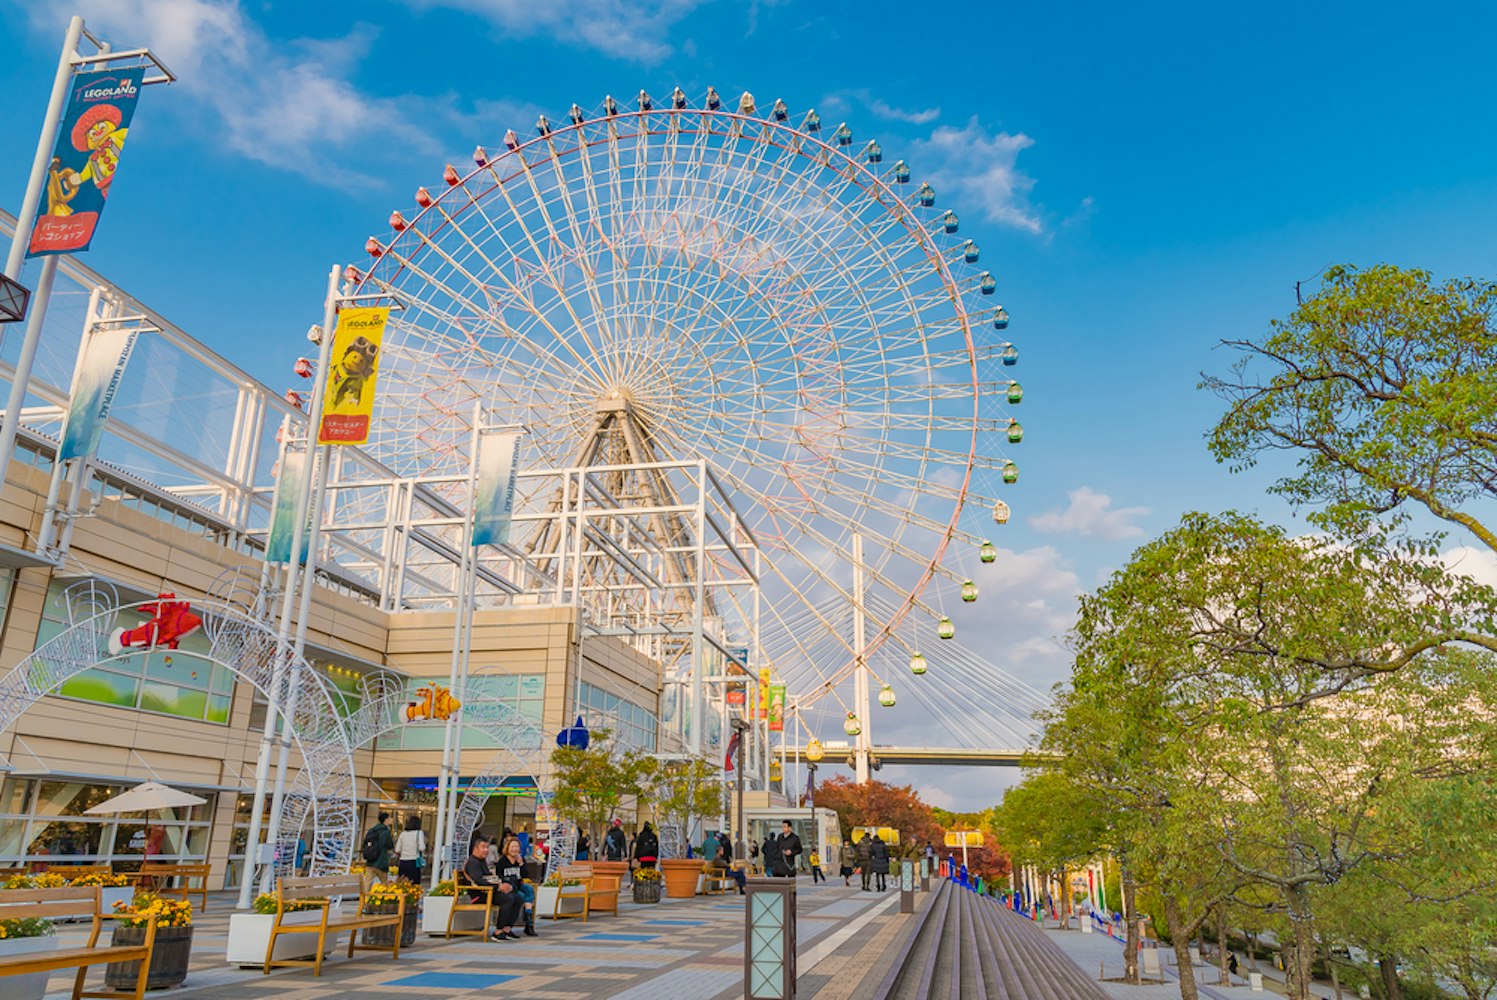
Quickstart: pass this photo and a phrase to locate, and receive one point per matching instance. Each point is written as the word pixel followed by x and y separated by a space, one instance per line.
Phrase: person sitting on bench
pixel 507 903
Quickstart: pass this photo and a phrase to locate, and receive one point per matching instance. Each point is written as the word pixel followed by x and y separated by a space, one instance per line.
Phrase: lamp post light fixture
pixel 740 826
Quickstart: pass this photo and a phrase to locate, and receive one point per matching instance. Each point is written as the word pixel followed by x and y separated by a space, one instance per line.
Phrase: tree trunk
pixel 1330 964
pixel 1130 922
pixel 1389 968
pixel 1253 952
pixel 1221 944
pixel 1302 958
pixel 1180 941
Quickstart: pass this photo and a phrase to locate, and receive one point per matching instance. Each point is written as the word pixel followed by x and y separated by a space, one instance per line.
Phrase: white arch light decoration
pixel 251 650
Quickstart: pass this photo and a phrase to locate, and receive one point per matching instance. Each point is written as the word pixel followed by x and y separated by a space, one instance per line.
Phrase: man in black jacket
pixel 615 844
pixel 865 859
pixel 788 848
pixel 508 905
pixel 879 854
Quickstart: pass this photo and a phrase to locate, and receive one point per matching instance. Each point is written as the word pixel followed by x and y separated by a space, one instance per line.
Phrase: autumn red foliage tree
pixel 878 804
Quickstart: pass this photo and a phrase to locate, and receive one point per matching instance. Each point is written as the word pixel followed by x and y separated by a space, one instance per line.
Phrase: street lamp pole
pixel 740 824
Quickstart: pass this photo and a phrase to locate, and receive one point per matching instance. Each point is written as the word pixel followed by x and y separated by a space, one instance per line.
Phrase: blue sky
pixel 1145 179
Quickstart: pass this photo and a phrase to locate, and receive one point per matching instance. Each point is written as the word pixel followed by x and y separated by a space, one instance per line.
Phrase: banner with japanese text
pixel 777 708
pixel 763 693
pixel 494 488
pixel 348 397
pixel 84 158
pixel 100 369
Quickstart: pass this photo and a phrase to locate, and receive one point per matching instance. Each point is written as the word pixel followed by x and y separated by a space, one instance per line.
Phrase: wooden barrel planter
pixel 168 958
pixel 647 892
pixel 384 937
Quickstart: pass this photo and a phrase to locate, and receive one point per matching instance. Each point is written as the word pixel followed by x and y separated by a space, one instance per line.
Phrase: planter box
pixel 683 876
pixel 384 937
pixel 32 985
pixel 249 935
pixel 560 901
pixel 169 957
pixel 437 909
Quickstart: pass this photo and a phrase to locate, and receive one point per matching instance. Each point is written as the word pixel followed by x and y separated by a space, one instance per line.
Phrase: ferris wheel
pixel 706 279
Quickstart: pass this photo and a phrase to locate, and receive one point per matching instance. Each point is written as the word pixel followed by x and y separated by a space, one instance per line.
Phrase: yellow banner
pixel 348 399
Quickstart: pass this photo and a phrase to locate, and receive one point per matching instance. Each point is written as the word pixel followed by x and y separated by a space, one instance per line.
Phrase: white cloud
pixel 843 101
pixel 287 105
pixel 979 168
pixel 635 30
pixel 1090 514
pixel 1479 564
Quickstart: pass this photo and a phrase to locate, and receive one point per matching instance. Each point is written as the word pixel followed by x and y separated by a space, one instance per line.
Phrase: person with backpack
pixel 646 847
pixel 378 843
pixel 615 844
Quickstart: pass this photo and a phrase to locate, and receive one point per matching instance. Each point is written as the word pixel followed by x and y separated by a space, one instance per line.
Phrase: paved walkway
pixel 1097 952
pixel 689 949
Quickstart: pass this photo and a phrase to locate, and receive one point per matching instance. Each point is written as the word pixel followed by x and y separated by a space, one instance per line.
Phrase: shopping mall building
pixel 177 501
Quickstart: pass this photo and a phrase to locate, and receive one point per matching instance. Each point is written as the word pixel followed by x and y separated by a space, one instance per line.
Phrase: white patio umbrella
pixel 145 797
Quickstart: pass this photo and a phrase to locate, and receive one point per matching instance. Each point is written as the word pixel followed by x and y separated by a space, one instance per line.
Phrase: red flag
pixel 732 750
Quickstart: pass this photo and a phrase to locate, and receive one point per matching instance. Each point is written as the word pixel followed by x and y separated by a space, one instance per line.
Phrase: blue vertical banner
pixel 105 355
pixel 290 503
pixel 84 158
pixel 494 488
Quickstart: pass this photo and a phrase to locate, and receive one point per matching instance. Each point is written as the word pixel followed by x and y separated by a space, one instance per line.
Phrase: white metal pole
pixel 449 779
pixel 864 740
pixel 698 622
pixel 21 238
pixel 293 566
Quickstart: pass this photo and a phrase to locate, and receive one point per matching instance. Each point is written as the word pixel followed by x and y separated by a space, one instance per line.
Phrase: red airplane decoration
pixel 171 621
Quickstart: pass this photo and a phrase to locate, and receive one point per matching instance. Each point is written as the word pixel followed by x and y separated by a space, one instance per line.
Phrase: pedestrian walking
pixel 789 848
pixel 816 875
pixel 378 843
pixel 584 847
pixel 615 844
pixel 878 852
pixel 865 860
pixel 410 849
pixel 847 860
pixel 646 847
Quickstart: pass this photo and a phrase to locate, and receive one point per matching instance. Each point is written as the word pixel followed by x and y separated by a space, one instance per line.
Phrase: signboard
pixel 105 355
pixel 763 692
pixel 737 696
pixel 498 464
pixel 348 397
pixel 84 158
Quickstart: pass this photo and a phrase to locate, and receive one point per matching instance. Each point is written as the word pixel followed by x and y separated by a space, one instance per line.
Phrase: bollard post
pixel 769 939
pixel 925 874
pixel 907 887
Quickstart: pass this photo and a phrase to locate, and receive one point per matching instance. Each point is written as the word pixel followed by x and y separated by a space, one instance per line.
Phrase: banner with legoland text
pixel 348 397
pixel 84 159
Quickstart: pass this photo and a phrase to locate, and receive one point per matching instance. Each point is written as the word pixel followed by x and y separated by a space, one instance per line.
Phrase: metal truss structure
pixel 239 641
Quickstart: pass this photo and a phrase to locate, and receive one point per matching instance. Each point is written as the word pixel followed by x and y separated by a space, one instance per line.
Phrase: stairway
pixel 970 947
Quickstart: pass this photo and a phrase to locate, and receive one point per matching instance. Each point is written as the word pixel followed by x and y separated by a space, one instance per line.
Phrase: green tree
pixel 684 791
pixel 1384 385
pixel 591 784
pixel 1257 693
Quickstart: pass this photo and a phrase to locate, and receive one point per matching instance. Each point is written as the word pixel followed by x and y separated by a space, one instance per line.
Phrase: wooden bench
pixel 71 872
pixel 719 881
pixel 161 873
pixel 462 899
pixel 323 890
pixel 69 902
pixel 602 889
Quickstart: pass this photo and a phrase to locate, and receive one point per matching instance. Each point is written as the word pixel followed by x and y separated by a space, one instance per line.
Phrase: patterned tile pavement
pixel 675 950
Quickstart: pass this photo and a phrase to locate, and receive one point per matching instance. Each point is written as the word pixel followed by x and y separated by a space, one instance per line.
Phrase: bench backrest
pixel 320 887
pixel 78 871
pixel 66 902
pixel 182 871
